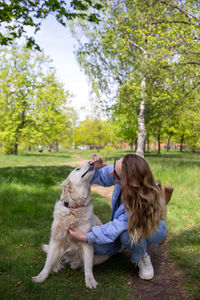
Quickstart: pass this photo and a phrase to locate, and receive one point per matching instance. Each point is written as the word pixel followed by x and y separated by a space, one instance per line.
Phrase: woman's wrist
pixel 77 235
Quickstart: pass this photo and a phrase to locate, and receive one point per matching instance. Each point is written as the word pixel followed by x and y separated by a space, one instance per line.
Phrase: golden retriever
pixel 72 210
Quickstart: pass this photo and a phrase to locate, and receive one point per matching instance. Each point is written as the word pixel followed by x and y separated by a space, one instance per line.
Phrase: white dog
pixel 72 210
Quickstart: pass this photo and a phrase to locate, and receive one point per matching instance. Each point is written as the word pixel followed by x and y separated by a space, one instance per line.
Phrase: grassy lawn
pixel 36 159
pixel 30 185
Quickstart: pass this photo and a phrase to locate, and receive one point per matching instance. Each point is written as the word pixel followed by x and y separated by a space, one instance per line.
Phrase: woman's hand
pixel 97 161
pixel 77 235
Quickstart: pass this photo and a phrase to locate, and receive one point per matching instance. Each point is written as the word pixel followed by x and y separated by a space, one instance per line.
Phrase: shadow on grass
pixel 28 195
pixel 48 175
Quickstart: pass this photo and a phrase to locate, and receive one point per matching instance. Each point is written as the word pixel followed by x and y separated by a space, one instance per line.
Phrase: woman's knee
pixel 162 229
pixel 158 236
pixel 107 249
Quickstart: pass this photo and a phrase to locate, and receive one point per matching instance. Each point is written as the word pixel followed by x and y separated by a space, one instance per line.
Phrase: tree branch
pixel 137 46
pixel 190 63
pixel 180 9
pixel 194 87
pixel 172 22
pixel 116 74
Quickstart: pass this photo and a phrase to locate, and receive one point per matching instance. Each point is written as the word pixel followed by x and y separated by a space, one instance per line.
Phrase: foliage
pixel 32 101
pixel 17 15
pixel 95 133
pixel 144 55
pixel 126 120
pixel 52 123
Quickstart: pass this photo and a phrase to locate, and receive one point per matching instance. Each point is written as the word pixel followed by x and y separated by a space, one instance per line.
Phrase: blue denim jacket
pixel 108 233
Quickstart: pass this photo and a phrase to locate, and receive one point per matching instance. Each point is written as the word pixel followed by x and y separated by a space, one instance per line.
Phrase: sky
pixel 57 42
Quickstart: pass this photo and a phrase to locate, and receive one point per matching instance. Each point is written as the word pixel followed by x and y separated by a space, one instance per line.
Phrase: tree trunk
pixel 148 146
pixel 18 130
pixel 57 146
pixel 15 148
pixel 131 144
pixel 136 145
pixel 144 147
pixel 154 144
pixel 181 145
pixel 168 142
pixel 141 122
pixel 159 143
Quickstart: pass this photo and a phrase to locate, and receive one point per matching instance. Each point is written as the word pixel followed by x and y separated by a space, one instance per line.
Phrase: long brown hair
pixel 140 196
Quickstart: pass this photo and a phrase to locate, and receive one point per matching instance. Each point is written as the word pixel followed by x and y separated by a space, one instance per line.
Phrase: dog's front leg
pixel 52 258
pixel 88 254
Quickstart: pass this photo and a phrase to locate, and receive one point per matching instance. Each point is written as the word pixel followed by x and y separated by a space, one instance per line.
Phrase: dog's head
pixel 76 187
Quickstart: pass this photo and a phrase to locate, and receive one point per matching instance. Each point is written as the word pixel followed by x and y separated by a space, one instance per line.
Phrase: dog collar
pixel 66 204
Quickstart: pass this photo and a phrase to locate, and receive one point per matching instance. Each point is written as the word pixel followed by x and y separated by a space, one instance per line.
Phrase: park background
pixel 141 62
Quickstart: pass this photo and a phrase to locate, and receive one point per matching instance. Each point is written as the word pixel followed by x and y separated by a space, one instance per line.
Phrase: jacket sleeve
pixel 103 177
pixel 108 232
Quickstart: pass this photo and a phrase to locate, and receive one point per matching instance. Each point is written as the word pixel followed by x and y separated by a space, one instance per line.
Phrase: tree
pixel 17 15
pixel 126 119
pixel 32 101
pixel 69 138
pixel 52 117
pixel 94 133
pixel 140 48
pixel 187 128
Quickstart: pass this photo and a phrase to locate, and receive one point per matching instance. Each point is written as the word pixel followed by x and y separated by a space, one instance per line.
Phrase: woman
pixel 136 222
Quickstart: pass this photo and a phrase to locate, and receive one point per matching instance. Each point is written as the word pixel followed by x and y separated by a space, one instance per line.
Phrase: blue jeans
pixel 137 250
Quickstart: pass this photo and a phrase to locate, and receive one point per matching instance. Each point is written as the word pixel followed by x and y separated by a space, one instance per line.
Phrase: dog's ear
pixel 67 190
pixel 70 187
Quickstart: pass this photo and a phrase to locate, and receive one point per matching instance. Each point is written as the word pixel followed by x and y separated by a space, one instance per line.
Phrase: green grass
pixel 28 195
pixel 36 158
pixel 182 170
pixel 30 185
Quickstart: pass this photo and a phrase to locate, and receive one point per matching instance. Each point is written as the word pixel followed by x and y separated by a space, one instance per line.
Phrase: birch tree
pixel 138 46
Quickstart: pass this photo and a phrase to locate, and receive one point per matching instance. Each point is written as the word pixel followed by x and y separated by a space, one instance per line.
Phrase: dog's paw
pixel 45 247
pixel 91 282
pixel 57 267
pixel 75 266
pixel 40 278
pixel 37 279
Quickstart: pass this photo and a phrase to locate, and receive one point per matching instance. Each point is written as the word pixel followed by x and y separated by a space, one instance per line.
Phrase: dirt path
pixel 168 282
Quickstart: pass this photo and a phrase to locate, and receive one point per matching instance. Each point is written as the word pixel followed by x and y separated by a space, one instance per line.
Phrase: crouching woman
pixel 137 222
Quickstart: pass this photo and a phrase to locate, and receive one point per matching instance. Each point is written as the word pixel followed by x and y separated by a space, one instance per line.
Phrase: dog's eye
pixel 77 169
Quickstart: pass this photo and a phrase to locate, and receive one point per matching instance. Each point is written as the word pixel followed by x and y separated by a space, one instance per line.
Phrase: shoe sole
pixel 146 278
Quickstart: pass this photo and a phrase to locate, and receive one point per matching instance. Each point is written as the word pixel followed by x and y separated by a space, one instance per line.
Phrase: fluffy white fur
pixel 62 249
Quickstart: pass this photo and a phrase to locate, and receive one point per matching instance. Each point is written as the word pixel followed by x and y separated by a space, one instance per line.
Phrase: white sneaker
pixel 146 271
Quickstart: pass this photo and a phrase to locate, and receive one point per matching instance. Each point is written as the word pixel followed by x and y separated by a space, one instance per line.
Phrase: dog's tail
pixel 45 247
